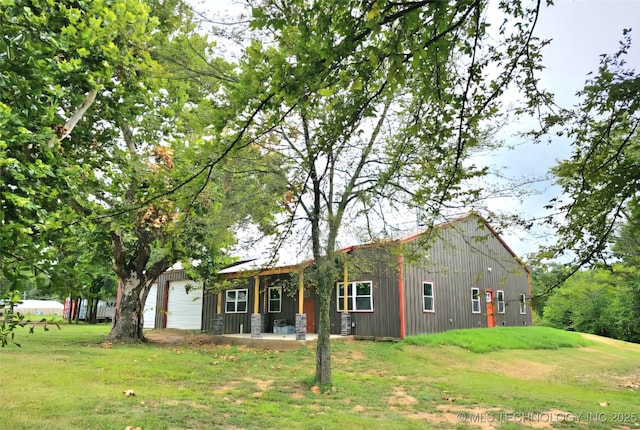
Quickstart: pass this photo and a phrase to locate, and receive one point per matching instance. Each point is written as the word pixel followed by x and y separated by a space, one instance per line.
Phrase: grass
pixel 68 378
pixel 482 340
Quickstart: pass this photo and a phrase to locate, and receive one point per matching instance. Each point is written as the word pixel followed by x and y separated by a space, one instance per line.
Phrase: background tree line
pixel 603 299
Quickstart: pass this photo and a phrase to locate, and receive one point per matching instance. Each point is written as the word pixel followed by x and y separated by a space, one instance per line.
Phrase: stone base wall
pixel 301 326
pixel 218 324
pixel 345 325
pixel 256 325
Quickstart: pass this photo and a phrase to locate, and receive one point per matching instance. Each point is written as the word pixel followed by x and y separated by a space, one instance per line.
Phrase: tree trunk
pixel 91 310
pixel 323 351
pixel 76 315
pixel 326 278
pixel 128 319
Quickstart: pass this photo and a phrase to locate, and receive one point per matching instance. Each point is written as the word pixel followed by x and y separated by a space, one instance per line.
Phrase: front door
pixel 309 308
pixel 491 316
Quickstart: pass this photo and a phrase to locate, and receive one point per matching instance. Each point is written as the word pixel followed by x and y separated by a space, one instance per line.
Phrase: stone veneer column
pixel 345 324
pixel 256 325
pixel 301 326
pixel 218 324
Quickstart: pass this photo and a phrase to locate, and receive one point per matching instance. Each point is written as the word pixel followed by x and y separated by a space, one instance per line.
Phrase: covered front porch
pixel 271 303
pixel 276 342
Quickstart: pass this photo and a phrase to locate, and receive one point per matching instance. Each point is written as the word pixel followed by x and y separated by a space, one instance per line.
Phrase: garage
pixel 184 305
pixel 150 308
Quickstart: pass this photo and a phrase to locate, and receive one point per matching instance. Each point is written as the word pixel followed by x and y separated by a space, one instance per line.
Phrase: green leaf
pixel 327 92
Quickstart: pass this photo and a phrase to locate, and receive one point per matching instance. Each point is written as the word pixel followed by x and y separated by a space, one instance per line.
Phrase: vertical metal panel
pixel 239 322
pixel 209 303
pixel 465 255
pixel 378 265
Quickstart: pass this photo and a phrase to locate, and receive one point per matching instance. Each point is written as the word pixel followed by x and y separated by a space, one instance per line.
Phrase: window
pixel 500 300
pixel 236 301
pixel 523 304
pixel 475 300
pixel 359 297
pixel 275 299
pixel 427 297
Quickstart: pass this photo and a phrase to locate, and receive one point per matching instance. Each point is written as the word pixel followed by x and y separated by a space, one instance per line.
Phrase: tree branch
pixel 65 131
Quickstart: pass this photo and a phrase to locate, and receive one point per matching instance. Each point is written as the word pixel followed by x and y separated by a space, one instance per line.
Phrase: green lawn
pixel 68 378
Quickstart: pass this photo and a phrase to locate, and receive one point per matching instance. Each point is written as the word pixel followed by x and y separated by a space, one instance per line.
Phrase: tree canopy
pixel 379 106
pixel 602 175
pixel 100 136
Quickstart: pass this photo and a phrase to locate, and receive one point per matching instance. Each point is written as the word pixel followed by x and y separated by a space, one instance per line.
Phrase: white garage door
pixel 150 308
pixel 184 309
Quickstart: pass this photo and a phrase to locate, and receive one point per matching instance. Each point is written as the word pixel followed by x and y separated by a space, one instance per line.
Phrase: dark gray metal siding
pixel 380 266
pixel 209 304
pixel 458 261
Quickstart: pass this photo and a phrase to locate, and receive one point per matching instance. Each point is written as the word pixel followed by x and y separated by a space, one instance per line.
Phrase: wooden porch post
pixel 301 318
pixel 345 318
pixel 219 303
pixel 345 280
pixel 256 318
pixel 256 292
pixel 301 292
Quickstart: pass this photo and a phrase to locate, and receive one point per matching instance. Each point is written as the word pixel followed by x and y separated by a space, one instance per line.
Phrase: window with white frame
pixel 359 297
pixel 500 300
pixel 236 301
pixel 523 304
pixel 428 304
pixel 475 300
pixel 275 299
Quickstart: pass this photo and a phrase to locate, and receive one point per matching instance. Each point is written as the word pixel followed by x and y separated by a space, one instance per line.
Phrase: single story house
pixel 459 274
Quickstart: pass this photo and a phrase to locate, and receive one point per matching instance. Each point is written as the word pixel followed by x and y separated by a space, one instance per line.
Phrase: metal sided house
pixel 459 274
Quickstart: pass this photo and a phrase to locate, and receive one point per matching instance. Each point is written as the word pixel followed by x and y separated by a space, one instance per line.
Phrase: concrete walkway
pixel 277 342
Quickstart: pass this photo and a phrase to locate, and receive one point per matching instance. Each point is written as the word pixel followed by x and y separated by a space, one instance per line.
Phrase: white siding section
pixel 150 308
pixel 184 310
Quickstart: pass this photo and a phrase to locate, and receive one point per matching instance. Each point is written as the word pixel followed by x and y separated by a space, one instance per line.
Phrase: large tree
pixel 379 105
pixel 602 175
pixel 101 139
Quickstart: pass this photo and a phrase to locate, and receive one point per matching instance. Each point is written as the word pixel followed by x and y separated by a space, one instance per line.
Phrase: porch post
pixel 256 318
pixel 218 318
pixel 345 318
pixel 301 317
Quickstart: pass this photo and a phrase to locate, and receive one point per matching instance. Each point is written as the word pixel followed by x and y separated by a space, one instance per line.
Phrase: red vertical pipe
pixel 166 303
pixel 403 328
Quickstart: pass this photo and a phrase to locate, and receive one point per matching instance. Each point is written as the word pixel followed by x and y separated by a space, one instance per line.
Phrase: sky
pixel 581 30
